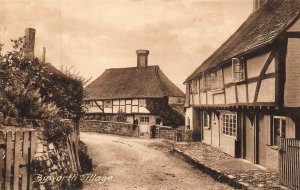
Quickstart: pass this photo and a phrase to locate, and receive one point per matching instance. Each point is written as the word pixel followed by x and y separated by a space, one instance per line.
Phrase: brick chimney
pixel 44 55
pixel 142 58
pixel 29 42
pixel 257 4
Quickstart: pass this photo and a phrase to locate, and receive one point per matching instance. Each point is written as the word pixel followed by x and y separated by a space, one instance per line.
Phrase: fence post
pixel 33 141
pixel 17 158
pixel 8 158
pixel 2 146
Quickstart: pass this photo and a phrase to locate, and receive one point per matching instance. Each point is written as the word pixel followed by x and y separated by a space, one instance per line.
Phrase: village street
pixel 141 164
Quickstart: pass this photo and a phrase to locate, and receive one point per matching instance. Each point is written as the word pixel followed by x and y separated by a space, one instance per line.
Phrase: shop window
pixel 279 129
pixel 230 125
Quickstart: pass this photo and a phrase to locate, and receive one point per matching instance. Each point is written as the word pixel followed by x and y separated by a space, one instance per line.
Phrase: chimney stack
pixel 257 4
pixel 29 42
pixel 44 55
pixel 142 58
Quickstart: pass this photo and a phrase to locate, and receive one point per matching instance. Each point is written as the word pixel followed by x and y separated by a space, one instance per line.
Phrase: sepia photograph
pixel 149 94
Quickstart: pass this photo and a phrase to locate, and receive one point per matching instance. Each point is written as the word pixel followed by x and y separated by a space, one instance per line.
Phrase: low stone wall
pixel 166 133
pixel 116 128
pixel 52 162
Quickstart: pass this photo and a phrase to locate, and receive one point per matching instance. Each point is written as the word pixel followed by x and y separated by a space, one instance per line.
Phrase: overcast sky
pixel 99 34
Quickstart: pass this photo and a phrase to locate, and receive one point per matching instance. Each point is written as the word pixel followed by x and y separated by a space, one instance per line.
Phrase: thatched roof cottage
pixel 143 92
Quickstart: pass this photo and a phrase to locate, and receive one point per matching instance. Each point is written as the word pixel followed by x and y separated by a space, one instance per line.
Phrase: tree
pixel 31 89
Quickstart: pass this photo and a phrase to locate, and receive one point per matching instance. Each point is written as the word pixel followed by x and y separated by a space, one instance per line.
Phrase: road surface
pixel 130 163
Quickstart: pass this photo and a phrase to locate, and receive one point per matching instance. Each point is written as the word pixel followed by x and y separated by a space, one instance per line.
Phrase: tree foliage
pixel 31 89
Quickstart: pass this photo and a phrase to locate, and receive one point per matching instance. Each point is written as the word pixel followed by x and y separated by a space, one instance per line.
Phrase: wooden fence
pixel 16 154
pixel 289 163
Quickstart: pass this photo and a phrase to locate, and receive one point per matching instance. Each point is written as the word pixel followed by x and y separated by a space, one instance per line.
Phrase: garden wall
pixel 116 128
pixel 166 132
pixel 51 162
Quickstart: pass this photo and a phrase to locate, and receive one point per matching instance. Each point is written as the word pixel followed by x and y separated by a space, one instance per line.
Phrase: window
pixel 279 129
pixel 142 102
pixel 205 120
pixel 107 104
pixel 195 86
pixel 238 69
pixel 207 82
pixel 144 119
pixel 216 80
pixel 229 125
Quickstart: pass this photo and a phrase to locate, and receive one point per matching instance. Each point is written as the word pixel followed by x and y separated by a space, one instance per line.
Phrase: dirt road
pixel 130 163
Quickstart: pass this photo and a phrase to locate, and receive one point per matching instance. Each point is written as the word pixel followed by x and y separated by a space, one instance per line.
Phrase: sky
pixel 94 35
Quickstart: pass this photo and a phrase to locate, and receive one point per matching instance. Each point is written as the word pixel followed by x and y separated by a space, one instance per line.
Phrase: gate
pixel 289 163
pixel 16 153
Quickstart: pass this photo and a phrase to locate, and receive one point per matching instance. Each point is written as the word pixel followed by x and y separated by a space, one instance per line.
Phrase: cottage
pixel 246 95
pixel 143 93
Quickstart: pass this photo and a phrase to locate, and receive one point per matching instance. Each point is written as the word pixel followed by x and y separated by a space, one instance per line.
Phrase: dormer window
pixel 238 69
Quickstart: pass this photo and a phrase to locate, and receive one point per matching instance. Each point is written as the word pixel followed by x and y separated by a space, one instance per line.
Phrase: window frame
pixel 274 136
pixel 229 128
pixel 207 82
pixel 238 63
pixel 195 86
pixel 206 120
pixel 216 80
pixel 143 119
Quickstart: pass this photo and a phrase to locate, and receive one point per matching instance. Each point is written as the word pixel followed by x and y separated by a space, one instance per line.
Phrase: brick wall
pixel 292 84
pixel 117 128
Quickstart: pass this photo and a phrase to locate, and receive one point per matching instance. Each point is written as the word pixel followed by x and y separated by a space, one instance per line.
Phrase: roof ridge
pixel 124 68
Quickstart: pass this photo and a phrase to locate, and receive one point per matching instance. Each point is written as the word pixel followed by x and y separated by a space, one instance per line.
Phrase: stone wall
pixel 53 164
pixel 116 128
pixel 166 133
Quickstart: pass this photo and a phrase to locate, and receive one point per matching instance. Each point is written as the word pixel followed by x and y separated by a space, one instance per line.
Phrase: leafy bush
pixel 31 89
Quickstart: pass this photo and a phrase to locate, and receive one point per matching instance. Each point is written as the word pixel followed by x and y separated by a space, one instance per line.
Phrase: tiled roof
pixel 260 30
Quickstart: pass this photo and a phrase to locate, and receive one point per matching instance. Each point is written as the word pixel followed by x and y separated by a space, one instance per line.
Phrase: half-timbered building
pixel 143 93
pixel 246 95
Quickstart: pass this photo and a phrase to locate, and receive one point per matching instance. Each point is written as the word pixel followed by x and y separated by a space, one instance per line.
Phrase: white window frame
pixel 238 69
pixel 229 127
pixel 282 132
pixel 144 118
pixel 206 120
